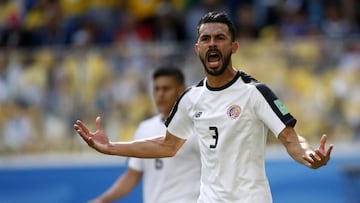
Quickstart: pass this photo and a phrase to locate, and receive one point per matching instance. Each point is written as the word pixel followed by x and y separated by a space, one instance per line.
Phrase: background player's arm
pixel 300 150
pixel 121 187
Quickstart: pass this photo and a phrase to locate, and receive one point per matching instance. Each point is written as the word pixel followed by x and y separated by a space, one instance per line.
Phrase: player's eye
pixel 204 38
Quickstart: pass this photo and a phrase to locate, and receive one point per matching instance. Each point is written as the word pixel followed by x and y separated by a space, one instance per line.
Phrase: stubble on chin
pixel 216 72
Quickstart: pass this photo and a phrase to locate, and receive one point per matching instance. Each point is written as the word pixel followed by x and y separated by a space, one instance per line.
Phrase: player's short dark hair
pixel 169 71
pixel 218 17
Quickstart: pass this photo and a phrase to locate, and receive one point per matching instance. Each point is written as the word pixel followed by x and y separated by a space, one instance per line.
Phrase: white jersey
pixel 168 180
pixel 232 123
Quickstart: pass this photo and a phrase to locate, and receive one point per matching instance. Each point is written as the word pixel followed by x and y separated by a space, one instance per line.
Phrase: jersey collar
pixel 224 86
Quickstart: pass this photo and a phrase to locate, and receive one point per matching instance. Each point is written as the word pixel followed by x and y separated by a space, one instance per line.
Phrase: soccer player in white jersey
pixel 159 183
pixel 231 113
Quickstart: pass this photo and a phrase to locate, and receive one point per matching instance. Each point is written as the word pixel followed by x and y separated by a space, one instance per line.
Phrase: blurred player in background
pixel 159 183
pixel 231 112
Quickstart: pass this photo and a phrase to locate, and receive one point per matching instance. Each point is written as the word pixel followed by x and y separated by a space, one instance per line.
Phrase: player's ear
pixel 196 48
pixel 235 46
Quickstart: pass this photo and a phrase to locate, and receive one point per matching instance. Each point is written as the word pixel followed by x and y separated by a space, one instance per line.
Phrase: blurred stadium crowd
pixel 62 60
pixel 58 22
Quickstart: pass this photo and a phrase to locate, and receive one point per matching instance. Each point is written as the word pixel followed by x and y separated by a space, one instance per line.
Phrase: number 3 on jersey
pixel 215 136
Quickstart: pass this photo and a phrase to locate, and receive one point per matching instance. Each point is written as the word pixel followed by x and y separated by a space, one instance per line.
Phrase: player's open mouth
pixel 213 58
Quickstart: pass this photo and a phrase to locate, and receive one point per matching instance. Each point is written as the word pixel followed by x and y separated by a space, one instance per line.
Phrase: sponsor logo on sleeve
pixel 281 107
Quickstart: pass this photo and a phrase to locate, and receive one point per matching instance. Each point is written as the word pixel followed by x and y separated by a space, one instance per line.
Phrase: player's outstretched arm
pixel 120 188
pixel 156 147
pixel 300 150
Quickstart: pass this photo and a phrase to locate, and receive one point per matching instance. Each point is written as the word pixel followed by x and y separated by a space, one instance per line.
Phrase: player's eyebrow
pixel 219 35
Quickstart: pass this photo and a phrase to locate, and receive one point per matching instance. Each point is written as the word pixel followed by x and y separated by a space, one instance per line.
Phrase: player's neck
pixel 221 80
pixel 164 116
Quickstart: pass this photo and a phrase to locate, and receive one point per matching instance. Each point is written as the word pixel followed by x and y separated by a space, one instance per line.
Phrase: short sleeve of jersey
pixel 179 122
pixel 271 110
pixel 136 163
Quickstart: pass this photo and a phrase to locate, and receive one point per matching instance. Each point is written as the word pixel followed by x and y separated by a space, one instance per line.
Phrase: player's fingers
pixel 320 154
pixel 82 126
pixel 323 142
pixel 90 142
pixel 312 161
pixel 328 152
pixel 80 131
pixel 98 123
pixel 308 159
pixel 314 158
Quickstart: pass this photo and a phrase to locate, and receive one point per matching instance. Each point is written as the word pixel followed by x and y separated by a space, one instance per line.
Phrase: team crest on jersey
pixel 234 111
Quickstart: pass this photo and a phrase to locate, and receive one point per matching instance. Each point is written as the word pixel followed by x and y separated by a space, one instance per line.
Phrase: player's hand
pixel 320 156
pixel 96 201
pixel 97 140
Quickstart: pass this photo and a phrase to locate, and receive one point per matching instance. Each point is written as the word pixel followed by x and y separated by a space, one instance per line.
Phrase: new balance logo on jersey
pixel 198 114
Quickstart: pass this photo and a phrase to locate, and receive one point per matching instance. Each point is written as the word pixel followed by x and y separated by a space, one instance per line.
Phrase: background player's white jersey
pixel 232 123
pixel 168 180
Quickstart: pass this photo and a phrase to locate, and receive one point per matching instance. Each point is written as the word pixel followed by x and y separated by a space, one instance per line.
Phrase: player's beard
pixel 212 72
